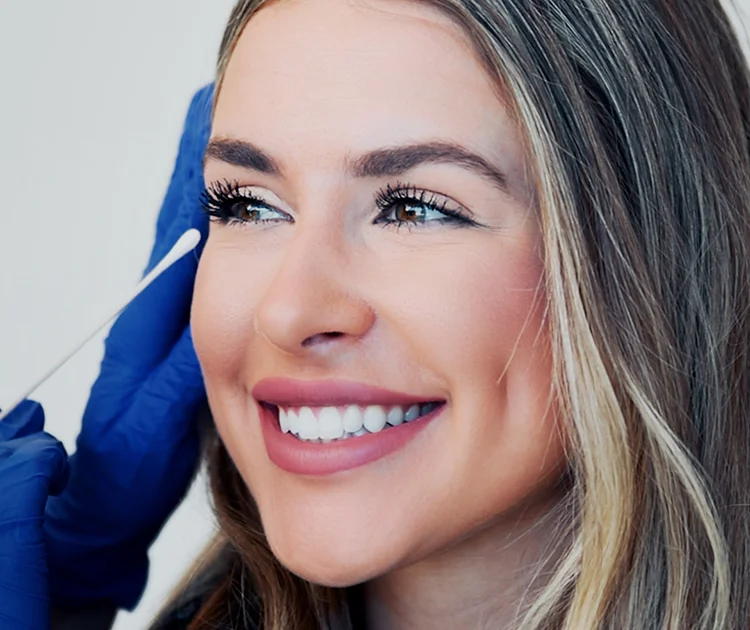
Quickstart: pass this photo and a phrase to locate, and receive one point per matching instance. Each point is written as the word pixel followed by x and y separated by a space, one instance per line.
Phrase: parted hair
pixel 635 116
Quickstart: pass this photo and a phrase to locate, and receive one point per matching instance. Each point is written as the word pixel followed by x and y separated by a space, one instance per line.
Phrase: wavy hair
pixel 636 120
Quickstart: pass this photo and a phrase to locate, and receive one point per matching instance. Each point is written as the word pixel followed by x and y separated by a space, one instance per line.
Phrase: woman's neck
pixel 485 581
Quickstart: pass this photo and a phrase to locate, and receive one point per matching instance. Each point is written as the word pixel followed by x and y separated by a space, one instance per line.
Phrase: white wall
pixel 92 99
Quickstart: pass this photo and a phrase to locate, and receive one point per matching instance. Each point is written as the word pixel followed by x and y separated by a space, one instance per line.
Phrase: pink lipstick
pixel 325 427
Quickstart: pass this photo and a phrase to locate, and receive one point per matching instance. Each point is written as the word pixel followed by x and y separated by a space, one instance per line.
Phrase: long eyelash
pixel 406 192
pixel 388 196
pixel 217 200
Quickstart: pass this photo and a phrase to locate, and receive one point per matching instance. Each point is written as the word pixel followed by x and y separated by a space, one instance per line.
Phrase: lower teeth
pixel 346 436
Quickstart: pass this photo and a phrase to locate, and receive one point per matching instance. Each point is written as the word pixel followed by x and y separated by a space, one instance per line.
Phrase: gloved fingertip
pixel 24 420
pixel 199 112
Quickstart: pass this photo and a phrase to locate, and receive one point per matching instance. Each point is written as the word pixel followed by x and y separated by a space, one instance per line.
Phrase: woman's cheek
pixel 221 318
pixel 221 321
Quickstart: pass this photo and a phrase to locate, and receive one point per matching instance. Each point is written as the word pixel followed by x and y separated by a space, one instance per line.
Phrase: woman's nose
pixel 313 302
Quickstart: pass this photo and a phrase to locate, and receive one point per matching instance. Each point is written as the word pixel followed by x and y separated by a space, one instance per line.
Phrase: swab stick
pixel 187 243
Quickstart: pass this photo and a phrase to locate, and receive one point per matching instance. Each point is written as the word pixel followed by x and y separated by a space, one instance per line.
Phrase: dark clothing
pixel 180 614
pixel 93 618
pixel 177 616
pixel 180 618
pixel 188 603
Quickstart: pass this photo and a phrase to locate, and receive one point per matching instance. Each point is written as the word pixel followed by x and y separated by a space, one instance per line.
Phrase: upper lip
pixel 285 392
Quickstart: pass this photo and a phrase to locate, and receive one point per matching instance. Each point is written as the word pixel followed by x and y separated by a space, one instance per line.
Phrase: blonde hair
pixel 636 117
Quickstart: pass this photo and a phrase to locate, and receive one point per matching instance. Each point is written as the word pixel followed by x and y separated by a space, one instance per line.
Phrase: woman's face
pixel 375 290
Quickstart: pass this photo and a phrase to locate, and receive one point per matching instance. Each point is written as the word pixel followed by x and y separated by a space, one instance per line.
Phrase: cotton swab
pixel 186 243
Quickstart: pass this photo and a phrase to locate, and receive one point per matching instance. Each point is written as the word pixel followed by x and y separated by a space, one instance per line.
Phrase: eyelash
pixel 389 197
pixel 219 201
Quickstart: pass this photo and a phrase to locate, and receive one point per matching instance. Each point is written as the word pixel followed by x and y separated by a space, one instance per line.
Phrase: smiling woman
pixel 472 317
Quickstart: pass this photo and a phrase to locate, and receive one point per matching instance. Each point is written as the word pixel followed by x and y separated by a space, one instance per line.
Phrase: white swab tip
pixel 188 241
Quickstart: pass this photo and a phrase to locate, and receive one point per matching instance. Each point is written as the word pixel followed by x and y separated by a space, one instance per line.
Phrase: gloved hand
pixel 33 465
pixel 139 444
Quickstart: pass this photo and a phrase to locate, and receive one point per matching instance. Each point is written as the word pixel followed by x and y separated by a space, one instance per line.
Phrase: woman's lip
pixel 318 459
pixel 285 392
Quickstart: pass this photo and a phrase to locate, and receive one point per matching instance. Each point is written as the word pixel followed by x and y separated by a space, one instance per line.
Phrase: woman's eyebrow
pixel 241 153
pixel 400 159
pixel 388 161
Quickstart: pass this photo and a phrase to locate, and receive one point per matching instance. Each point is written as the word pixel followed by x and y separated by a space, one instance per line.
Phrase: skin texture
pixel 448 529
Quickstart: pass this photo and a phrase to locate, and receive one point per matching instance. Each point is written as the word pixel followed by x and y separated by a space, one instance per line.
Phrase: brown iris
pixel 245 212
pixel 406 213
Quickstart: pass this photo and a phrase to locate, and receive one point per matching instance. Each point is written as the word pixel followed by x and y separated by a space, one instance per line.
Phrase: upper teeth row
pixel 331 423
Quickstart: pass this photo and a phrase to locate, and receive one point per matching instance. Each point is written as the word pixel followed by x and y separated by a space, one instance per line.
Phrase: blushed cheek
pixel 221 321
pixel 492 315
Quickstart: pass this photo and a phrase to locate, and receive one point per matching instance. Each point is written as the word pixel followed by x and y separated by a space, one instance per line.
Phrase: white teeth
pixel 331 423
pixel 293 421
pixel 284 421
pixel 353 419
pixel 308 425
pixel 395 416
pixel 412 413
pixel 327 424
pixel 374 419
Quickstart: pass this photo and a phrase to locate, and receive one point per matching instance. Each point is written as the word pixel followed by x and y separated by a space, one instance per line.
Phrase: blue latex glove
pixel 139 444
pixel 33 465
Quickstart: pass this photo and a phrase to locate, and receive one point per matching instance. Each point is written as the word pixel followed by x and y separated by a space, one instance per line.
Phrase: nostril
pixel 321 337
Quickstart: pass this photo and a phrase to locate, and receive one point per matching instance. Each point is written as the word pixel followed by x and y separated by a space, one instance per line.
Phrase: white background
pixel 93 95
pixel 92 100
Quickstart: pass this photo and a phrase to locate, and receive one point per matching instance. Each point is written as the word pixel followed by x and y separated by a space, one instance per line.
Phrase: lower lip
pixel 305 458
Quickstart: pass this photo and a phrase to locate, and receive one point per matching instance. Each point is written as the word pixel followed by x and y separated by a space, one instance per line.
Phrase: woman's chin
pixel 331 567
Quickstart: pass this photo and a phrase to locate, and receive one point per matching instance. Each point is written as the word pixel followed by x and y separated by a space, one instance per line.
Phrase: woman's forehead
pixel 325 80
pixel 327 15
pixel 348 49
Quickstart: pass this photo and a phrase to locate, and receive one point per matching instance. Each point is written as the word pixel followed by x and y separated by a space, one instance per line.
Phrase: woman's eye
pixel 410 206
pixel 252 212
pixel 405 212
pixel 227 202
